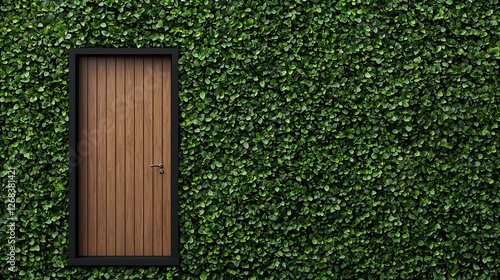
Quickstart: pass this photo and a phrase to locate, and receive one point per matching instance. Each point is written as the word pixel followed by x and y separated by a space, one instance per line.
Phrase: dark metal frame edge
pixel 73 258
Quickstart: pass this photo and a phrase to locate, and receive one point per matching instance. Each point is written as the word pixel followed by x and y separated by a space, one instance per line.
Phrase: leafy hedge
pixel 356 139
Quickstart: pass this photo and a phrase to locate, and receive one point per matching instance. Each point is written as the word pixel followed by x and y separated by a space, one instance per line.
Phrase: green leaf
pixel 312 134
pixel 487 259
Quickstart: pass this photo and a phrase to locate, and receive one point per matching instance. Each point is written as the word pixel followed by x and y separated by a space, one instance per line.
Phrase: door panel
pixel 129 156
pixel 148 146
pixel 167 153
pixel 101 150
pixel 124 205
pixel 83 152
pixel 139 157
pixel 91 160
pixel 119 165
pixel 110 155
pixel 157 159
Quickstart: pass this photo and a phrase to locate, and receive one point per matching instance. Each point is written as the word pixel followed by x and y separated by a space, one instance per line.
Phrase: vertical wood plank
pixel 148 157
pixel 110 157
pixel 83 148
pixel 166 108
pixel 125 125
pixel 129 156
pixel 157 156
pixel 92 157
pixel 139 157
pixel 101 156
pixel 120 156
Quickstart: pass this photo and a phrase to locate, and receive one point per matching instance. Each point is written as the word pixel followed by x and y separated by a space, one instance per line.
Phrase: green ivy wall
pixel 319 139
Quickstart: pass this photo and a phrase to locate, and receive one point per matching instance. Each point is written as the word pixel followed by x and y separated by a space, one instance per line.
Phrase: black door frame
pixel 73 258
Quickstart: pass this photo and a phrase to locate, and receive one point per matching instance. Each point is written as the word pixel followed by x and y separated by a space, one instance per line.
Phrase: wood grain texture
pixel 101 150
pixel 129 156
pixel 141 167
pixel 166 183
pixel 157 157
pixel 124 120
pixel 92 157
pixel 110 156
pixel 120 157
pixel 148 156
pixel 83 150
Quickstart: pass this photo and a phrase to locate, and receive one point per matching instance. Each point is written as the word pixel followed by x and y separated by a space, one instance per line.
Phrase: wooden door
pixel 124 127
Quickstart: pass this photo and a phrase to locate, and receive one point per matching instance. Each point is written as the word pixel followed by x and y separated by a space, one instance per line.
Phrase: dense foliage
pixel 319 140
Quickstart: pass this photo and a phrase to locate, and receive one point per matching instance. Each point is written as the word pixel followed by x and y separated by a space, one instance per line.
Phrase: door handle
pixel 156 165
